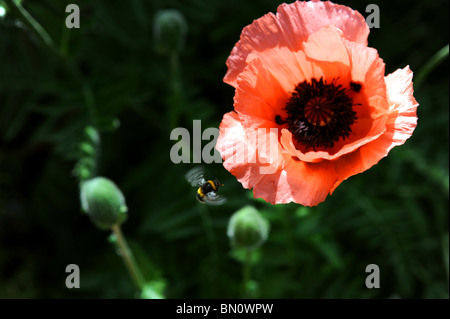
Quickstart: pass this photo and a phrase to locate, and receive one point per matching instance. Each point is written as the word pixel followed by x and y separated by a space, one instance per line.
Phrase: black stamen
pixel 355 86
pixel 279 120
pixel 319 114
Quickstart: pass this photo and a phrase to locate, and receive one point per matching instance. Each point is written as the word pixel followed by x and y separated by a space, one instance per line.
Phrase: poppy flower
pixel 312 104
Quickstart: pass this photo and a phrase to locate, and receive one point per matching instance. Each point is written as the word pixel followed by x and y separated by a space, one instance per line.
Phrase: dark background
pixel 394 215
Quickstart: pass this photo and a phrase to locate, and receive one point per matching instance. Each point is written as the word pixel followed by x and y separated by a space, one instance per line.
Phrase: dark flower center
pixel 319 114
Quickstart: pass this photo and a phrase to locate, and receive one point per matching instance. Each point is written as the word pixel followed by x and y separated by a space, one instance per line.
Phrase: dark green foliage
pixel 394 215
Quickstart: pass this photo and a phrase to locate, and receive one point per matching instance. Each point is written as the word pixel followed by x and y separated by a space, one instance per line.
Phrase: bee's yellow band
pixel 199 191
pixel 212 184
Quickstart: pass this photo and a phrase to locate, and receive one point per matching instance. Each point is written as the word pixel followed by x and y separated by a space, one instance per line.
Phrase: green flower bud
pixel 169 31
pixel 103 201
pixel 247 228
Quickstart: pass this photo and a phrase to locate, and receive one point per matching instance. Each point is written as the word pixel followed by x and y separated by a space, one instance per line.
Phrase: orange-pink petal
pixel 300 182
pixel 402 120
pixel 290 27
pixel 260 94
pixel 248 154
pixel 327 45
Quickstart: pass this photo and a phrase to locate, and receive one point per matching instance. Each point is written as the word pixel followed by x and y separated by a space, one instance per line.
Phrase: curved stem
pixel 127 255
pixel 431 64
pixel 246 272
pixel 31 23
pixel 19 11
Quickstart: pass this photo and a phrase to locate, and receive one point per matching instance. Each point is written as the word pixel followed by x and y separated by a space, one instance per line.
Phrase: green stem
pixel 290 245
pixel 128 259
pixel 431 64
pixel 64 45
pixel 207 225
pixel 19 11
pixel 246 272
pixel 214 256
pixel 176 90
pixel 23 15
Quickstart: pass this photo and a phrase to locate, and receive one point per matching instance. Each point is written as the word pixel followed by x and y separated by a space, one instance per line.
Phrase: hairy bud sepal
pixel 247 228
pixel 169 31
pixel 103 201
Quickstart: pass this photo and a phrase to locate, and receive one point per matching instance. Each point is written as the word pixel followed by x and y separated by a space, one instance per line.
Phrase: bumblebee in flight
pixel 207 189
